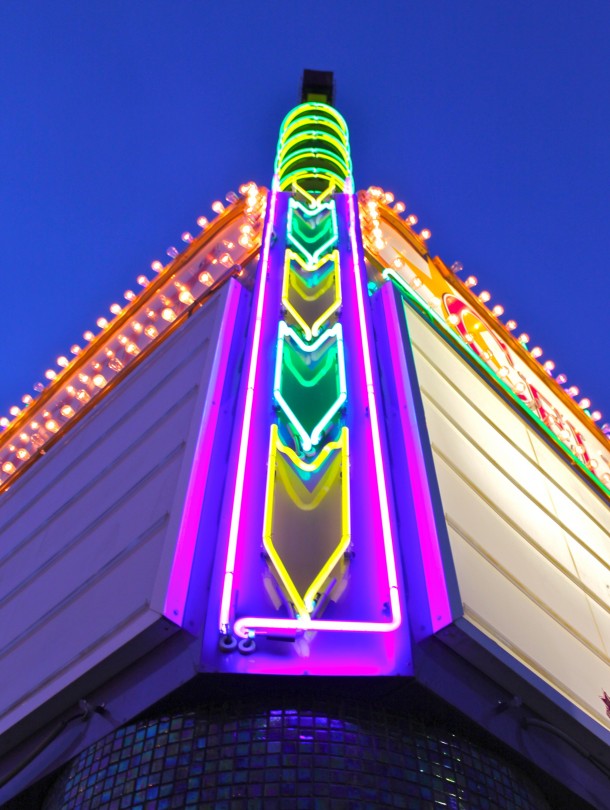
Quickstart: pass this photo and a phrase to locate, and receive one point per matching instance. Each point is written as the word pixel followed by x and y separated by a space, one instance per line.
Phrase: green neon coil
pixel 313 149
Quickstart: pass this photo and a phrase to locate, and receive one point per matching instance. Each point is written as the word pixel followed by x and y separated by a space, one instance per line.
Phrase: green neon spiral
pixel 313 149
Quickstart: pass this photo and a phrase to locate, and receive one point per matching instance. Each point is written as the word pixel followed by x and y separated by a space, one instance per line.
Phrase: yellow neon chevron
pixel 285 465
pixel 293 280
pixel 314 202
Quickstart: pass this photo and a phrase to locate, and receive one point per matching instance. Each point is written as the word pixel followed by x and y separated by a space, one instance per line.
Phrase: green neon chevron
pixel 312 231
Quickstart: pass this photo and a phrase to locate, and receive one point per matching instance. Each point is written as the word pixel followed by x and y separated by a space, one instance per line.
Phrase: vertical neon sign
pixel 310 579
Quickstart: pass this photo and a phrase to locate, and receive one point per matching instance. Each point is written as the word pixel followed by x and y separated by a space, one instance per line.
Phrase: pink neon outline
pixel 245 430
pixel 177 589
pixel 438 597
pixel 247 624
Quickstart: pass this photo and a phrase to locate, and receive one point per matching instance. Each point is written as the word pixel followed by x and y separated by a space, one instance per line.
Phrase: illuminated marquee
pixel 311 555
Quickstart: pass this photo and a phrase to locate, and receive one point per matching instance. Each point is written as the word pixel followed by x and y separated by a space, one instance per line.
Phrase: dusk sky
pixel 121 121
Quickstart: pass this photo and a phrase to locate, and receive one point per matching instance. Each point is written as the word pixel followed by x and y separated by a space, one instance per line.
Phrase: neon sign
pixel 311 554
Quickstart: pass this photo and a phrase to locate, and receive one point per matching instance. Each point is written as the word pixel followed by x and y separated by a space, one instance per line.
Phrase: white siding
pixel 530 540
pixel 82 534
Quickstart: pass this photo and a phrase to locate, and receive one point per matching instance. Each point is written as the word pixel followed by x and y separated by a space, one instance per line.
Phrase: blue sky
pixel 120 122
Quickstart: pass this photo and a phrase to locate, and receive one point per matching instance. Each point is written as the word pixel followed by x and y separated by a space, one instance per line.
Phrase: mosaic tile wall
pixel 229 758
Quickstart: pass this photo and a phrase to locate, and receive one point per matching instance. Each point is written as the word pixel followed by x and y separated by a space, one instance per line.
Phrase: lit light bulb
pixel 8 467
pixel 137 327
pixel 524 338
pixel 426 233
pixel 168 314
pixel 388 197
pixel 217 207
pixel 454 319
pixel 115 309
pixel 549 365
pixel 585 402
pixel 202 222
pixel 226 260
pixel 151 332
pixel 205 278
pixel 536 352
pixel 50 374
pixel 4 422
pixel 596 415
pixel 51 425
pixel 88 335
pixel 471 281
pixel 412 219
pixel 498 310
pixel 245 241
pixel 24 437
pixel 22 454
pixel 99 380
pixel 187 237
pixel 132 349
pixel 573 390
pixel 484 296
pixel 67 411
pixel 102 323
pixel 398 263
pixel 129 295
pixel 399 207
pixel 511 325
pixel 156 266
pixel 142 281
pixel 83 396
pixel 26 399
pixel 14 410
pixel 186 298
pixel 74 348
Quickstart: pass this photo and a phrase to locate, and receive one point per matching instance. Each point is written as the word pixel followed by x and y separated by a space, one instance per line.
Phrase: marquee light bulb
pixel 50 374
pixel 67 411
pixel 573 390
pixel 426 233
pixel 8 467
pixel 156 266
pixel 168 314
pixel 26 399
pixel 51 425
pixel 388 197
pixel 484 296
pixel 22 454
pixel 202 222
pixel 102 323
pixel 187 237
pixel 14 410
pixel 88 335
pixel 217 207
pixel 62 361
pixel 205 278
pixel 524 338
pixel 399 207
pixel 115 308
pixel 536 352
pixel 596 415
pixel 511 325
pixel 549 365
pixel 99 380
pixel 129 295
pixel 585 402
pixel 142 281
pixel 412 219
pixel 471 281
pixel 498 310
pixel 4 422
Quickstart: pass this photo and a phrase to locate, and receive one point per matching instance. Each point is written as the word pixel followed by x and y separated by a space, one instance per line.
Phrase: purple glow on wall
pixel 175 598
pixel 438 598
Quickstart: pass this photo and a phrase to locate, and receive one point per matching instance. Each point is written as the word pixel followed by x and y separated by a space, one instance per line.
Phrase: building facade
pixel 305 525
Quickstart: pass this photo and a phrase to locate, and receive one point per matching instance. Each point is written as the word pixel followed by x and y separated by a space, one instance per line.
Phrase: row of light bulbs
pixel 376 196
pixel 171 299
